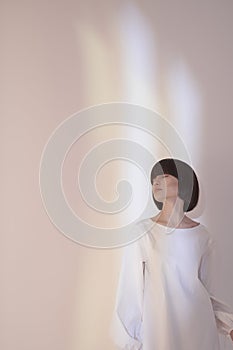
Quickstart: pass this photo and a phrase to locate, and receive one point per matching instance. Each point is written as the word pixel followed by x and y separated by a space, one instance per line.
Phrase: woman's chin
pixel 159 198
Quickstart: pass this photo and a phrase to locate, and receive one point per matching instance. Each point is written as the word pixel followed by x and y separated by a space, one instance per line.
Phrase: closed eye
pixel 160 176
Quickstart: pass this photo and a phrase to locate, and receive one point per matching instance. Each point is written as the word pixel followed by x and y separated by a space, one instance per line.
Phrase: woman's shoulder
pixel 207 237
pixel 144 239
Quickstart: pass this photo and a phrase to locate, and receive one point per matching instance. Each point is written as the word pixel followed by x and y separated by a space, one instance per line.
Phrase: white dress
pixel 165 297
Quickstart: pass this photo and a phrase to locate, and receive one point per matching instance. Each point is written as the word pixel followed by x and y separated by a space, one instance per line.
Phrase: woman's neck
pixel 172 212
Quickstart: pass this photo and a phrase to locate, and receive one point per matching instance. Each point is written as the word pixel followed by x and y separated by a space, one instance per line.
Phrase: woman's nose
pixel 157 183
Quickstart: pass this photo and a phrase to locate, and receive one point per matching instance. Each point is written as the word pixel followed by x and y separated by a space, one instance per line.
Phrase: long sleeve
pixel 222 311
pixel 127 316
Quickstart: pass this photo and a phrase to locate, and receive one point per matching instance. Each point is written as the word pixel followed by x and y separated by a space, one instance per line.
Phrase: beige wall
pixel 58 57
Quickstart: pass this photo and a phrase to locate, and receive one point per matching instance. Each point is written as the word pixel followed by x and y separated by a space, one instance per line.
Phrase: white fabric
pixel 166 298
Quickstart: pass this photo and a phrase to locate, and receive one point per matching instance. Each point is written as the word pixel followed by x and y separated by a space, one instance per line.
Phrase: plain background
pixel 58 57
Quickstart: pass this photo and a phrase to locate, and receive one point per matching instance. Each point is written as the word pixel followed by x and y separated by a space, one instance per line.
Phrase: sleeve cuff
pixel 224 322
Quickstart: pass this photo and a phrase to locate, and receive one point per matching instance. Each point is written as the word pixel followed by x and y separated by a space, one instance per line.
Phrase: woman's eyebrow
pixel 158 176
pixel 161 175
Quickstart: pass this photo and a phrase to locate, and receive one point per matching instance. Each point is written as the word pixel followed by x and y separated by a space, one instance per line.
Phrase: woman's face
pixel 164 187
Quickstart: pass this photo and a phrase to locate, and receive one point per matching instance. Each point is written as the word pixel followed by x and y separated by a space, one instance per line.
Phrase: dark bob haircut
pixel 188 187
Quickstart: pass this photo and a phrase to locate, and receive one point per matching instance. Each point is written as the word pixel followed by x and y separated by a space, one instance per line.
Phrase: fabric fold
pixel 222 311
pixel 126 327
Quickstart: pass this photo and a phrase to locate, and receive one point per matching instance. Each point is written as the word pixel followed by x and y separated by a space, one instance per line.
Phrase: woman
pixel 166 295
